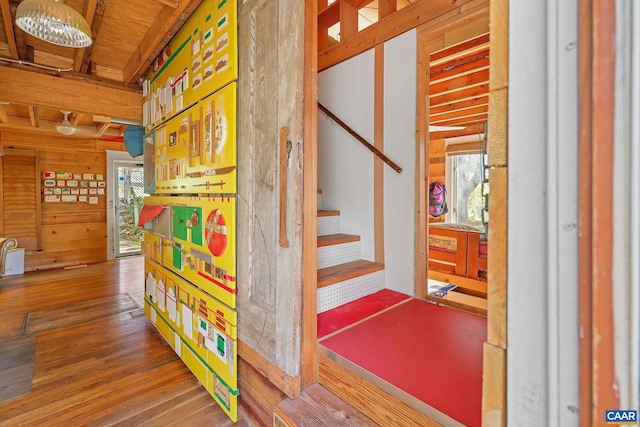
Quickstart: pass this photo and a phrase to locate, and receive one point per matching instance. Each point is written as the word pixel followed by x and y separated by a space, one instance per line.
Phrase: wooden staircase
pixel 345 396
pixel 342 275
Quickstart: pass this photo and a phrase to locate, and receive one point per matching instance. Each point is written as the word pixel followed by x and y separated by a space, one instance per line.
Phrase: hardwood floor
pixel 97 361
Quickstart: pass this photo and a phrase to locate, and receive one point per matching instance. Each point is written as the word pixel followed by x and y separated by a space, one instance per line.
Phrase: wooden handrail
pixel 363 141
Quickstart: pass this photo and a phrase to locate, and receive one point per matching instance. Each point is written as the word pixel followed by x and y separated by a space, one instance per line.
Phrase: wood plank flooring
pixel 98 361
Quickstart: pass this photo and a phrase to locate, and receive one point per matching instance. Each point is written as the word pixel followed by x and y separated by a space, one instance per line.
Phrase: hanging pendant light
pixel 54 22
pixel 66 128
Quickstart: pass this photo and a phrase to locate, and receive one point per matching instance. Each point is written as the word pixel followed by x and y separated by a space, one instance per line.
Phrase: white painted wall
pixel 345 168
pixel 400 145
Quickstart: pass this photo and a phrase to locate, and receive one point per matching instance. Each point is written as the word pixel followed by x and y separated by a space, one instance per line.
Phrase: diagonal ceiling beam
pixel 34 116
pixel 29 88
pixel 89 12
pixel 75 118
pixel 3 115
pixel 164 28
pixel 170 3
pixel 103 128
pixel 8 28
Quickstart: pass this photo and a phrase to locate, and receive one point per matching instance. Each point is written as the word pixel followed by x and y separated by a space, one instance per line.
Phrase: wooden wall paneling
pixel 19 198
pixel 54 234
pixel 38 202
pixel 259 397
pixel 269 302
pixel 2 160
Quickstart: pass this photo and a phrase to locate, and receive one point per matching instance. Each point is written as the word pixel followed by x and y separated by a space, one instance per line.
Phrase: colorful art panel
pixel 195 237
pixel 195 152
pixel 200 59
pixel 201 330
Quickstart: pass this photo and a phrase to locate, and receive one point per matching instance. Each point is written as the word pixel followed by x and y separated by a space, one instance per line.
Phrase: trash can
pixel 14 262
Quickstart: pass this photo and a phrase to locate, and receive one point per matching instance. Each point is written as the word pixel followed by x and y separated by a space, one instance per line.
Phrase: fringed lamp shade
pixel 54 22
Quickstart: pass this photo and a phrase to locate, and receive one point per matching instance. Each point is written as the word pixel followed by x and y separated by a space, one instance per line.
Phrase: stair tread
pixel 318 406
pixel 336 239
pixel 324 212
pixel 349 270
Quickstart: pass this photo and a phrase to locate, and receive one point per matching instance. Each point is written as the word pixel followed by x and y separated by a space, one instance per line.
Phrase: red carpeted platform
pixel 433 353
pixel 347 314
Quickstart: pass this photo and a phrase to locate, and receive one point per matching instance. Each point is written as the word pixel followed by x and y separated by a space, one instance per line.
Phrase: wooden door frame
pixel 309 357
pixel 494 352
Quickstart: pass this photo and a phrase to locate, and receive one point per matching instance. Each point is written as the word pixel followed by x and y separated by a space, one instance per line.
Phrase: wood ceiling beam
pixel 3 115
pixel 96 23
pixel 19 35
pixel 103 128
pixel 29 88
pixel 457 105
pixel 463 112
pixel 34 116
pixel 473 129
pixel 455 49
pixel 74 119
pixel 466 93
pixel 165 26
pixel 23 124
pixel 477 77
pixel 89 13
pixel 463 121
pixel 170 3
pixel 8 28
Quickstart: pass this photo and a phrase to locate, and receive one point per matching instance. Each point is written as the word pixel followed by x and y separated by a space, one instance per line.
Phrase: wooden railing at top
pixel 363 141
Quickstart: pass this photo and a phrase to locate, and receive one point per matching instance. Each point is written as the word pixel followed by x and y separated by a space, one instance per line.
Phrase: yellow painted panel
pixel 202 331
pixel 195 152
pixel 200 59
pixel 198 244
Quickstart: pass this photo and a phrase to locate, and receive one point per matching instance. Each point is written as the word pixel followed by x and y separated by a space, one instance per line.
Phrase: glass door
pixel 129 201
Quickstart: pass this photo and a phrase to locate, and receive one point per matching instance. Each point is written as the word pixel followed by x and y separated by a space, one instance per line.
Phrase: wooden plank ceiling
pixel 459 87
pixel 127 36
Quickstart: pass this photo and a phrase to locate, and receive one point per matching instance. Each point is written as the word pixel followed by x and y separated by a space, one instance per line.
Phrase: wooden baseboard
pixel 290 386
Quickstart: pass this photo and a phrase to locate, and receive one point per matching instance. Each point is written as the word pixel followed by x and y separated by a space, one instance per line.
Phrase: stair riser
pixel 328 225
pixel 349 290
pixel 331 255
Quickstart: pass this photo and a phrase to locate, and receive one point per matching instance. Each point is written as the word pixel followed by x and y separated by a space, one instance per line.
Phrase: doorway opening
pixel 129 199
